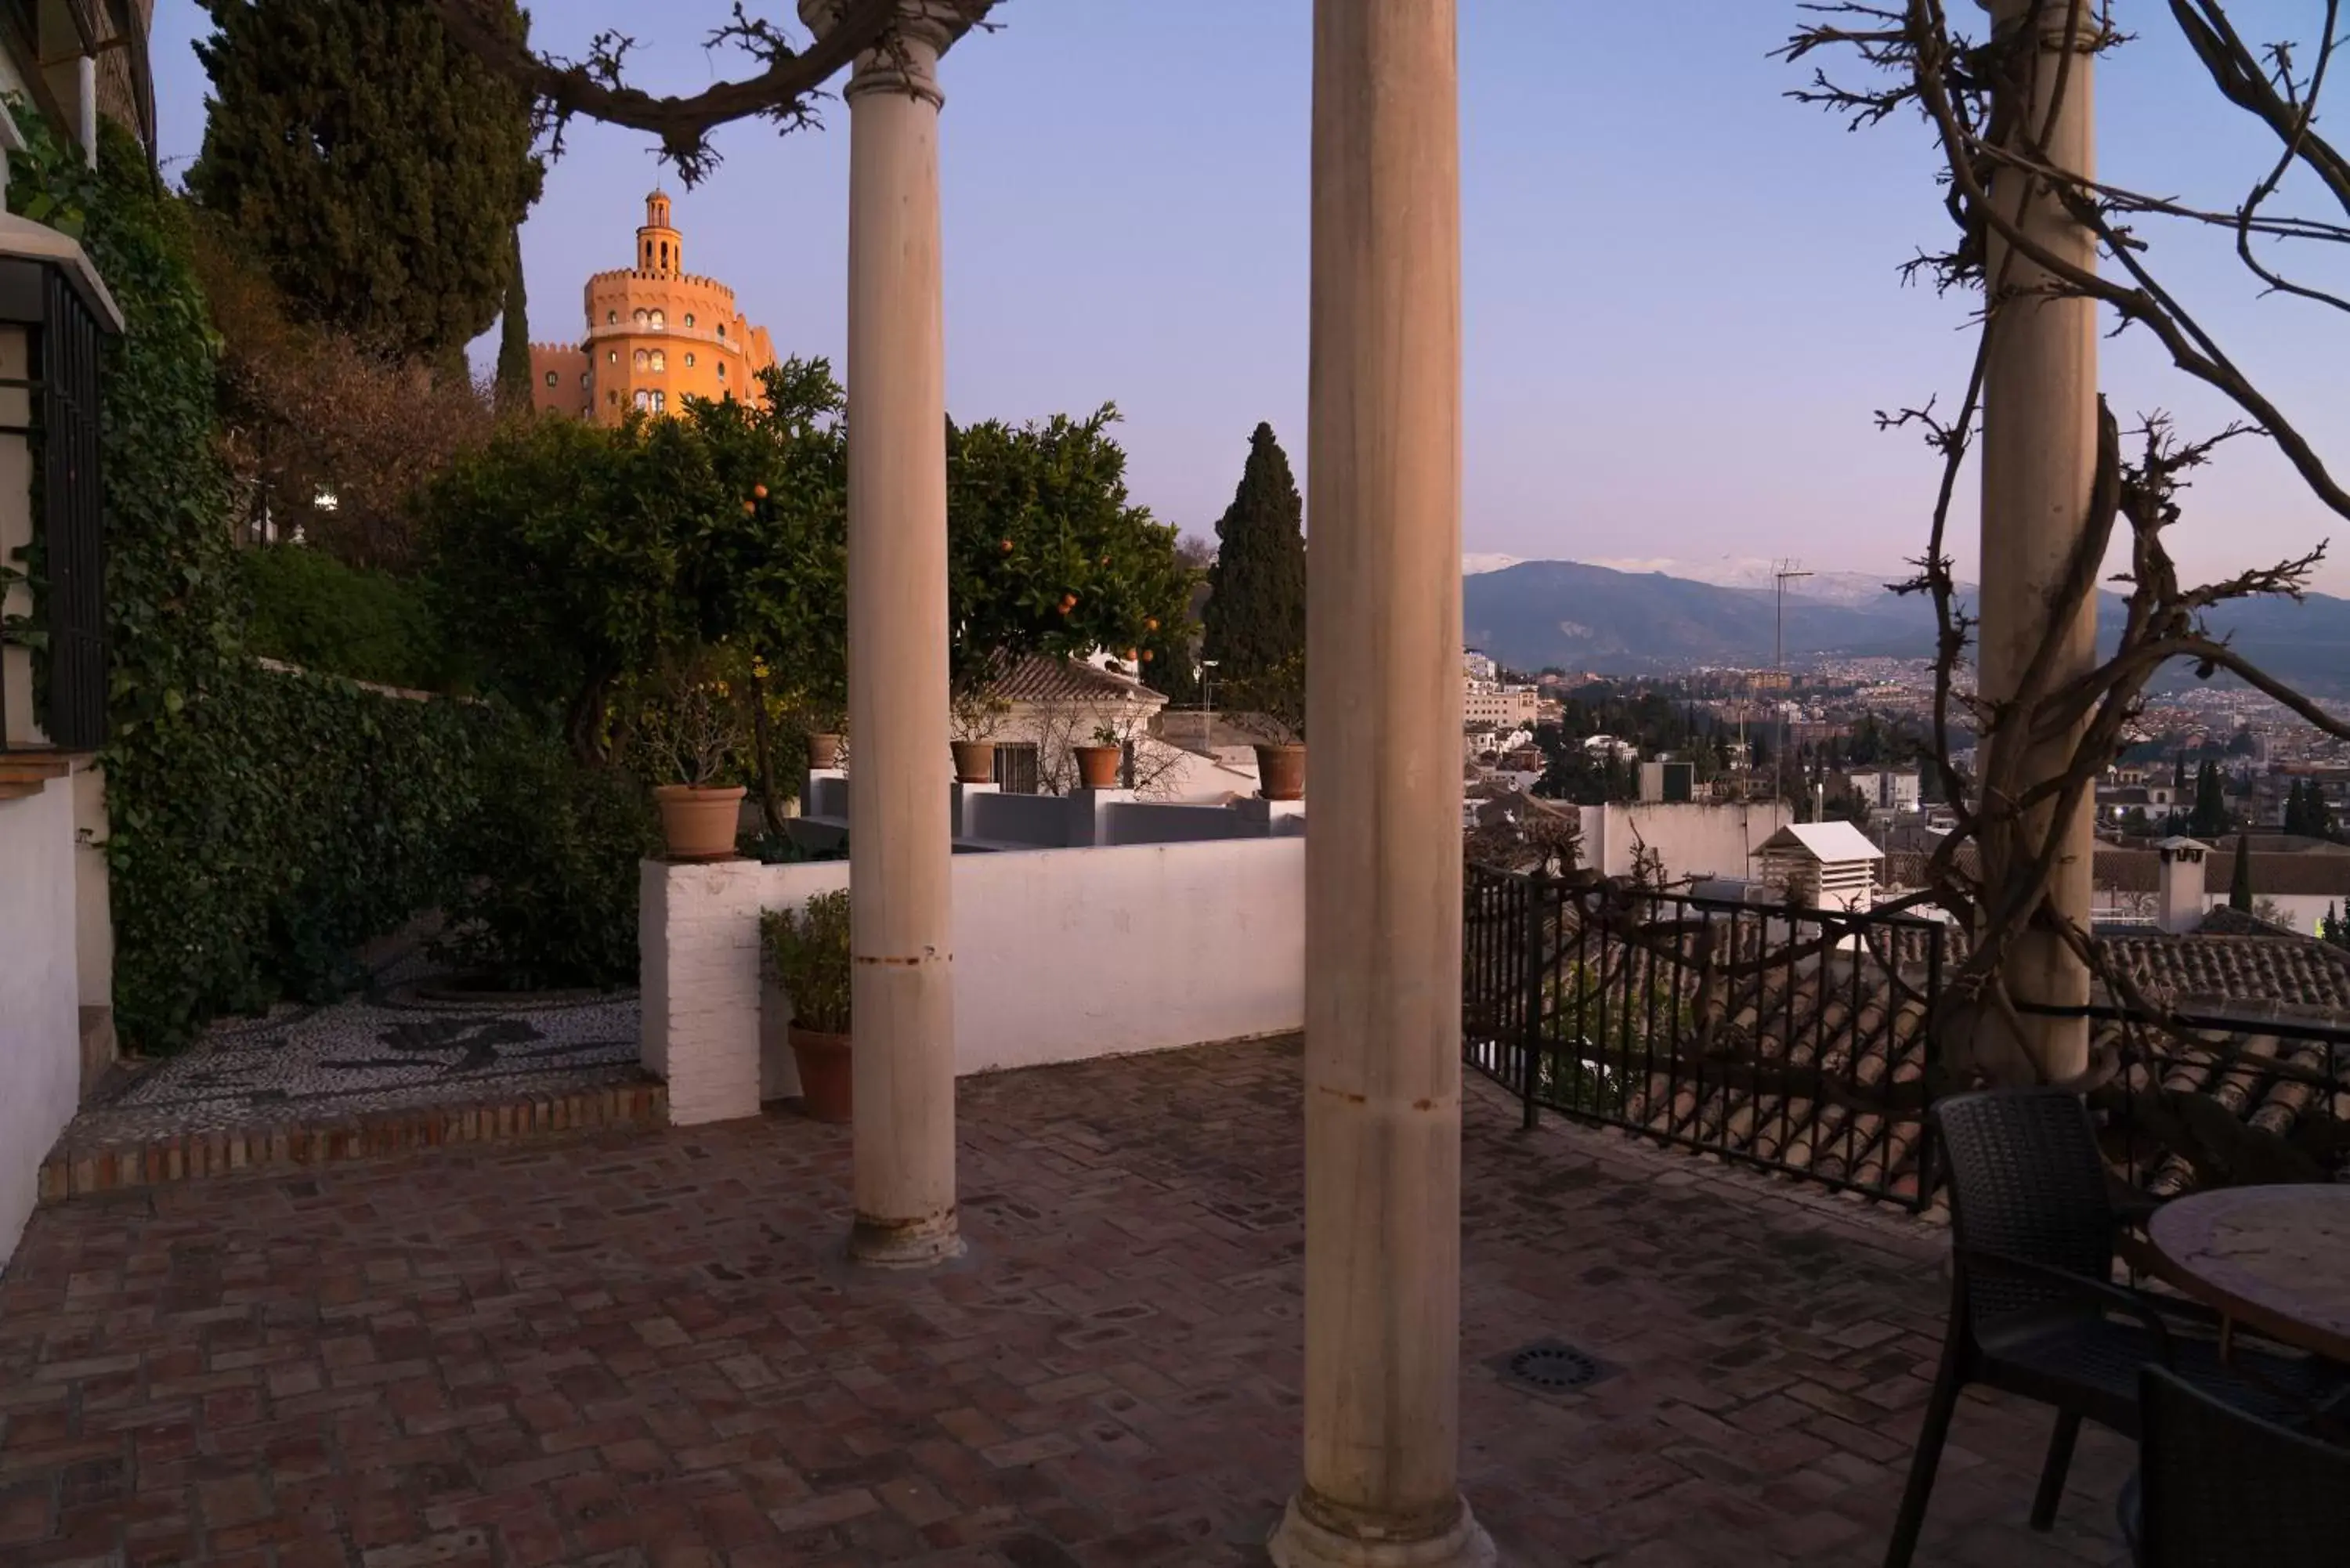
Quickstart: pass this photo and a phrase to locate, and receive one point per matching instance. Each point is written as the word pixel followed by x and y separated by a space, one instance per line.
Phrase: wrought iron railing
pixel 1791 1039
pixel 2193 1098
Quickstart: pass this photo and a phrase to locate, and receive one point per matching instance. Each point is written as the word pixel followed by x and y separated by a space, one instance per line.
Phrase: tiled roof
pixel 1040 678
pixel 2276 874
pixel 2206 971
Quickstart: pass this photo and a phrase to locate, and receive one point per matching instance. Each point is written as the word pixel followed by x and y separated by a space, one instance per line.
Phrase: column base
pixel 1302 1542
pixel 904 1243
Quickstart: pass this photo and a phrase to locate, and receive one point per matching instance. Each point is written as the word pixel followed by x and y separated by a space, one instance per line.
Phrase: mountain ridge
pixel 1579 616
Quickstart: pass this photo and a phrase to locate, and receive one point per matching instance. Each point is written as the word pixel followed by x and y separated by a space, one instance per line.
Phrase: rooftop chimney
pixel 2179 886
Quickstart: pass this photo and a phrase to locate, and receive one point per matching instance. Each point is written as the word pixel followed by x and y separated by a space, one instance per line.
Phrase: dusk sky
pixel 1681 302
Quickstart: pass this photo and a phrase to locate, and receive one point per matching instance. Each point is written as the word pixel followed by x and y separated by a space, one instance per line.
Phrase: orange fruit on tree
pixel 760 490
pixel 1007 546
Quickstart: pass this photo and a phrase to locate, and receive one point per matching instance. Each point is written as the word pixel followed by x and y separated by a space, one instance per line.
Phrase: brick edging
pixel 156 1161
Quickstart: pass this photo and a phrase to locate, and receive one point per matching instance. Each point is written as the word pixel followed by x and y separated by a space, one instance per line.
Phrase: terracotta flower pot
pixel 698 820
pixel 827 1075
pixel 975 761
pixel 823 751
pixel 1098 766
pixel 1281 772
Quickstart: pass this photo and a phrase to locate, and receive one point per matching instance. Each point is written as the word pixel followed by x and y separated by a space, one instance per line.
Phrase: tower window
pixel 722 329
pixel 689 362
pixel 643 400
pixel 613 398
pixel 661 402
pixel 664 254
pixel 583 378
pixel 639 360
pixel 639 318
pixel 660 360
pixel 611 317
pixel 551 378
pixel 689 318
pixel 612 356
pixel 659 319
pixel 721 369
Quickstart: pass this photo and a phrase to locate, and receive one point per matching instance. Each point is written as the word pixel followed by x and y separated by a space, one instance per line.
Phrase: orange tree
pixel 1048 555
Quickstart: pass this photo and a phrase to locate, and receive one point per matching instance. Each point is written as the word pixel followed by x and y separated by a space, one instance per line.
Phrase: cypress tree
pixel 377 168
pixel 1255 615
pixel 2240 884
pixel 2210 818
pixel 514 340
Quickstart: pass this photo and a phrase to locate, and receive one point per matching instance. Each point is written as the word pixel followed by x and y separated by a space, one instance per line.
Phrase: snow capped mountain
pixel 1750 572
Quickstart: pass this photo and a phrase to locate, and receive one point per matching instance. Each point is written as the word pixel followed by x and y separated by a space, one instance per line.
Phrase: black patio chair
pixel 2220 1489
pixel 2035 1310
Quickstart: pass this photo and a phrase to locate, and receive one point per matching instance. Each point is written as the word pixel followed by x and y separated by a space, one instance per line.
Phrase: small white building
pixel 1823 864
pixel 1051 706
pixel 1886 789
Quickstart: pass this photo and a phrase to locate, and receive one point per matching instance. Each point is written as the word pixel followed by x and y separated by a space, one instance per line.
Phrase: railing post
pixel 1931 1077
pixel 1530 1033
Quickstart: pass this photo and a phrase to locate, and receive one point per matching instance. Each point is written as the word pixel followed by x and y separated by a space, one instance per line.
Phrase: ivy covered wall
pixel 261 823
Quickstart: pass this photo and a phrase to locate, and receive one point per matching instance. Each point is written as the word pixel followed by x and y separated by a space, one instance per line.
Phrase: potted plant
pixel 975 715
pixel 825 745
pixel 688 730
pixel 1279 695
pixel 807 955
pixel 1097 764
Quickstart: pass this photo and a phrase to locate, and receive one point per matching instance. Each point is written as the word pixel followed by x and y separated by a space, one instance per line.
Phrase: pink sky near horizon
pixel 1681 306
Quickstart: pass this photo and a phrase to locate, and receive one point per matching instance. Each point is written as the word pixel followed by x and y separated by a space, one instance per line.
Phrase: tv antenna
pixel 1782 574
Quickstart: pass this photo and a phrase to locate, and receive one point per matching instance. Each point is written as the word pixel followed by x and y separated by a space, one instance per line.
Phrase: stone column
pixel 1382 1075
pixel 2039 460
pixel 899 843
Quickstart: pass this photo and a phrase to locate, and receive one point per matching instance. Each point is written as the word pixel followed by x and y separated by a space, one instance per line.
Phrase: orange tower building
pixel 657 334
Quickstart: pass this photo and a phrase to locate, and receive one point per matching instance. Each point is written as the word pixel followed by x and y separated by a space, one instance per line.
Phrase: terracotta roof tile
pixel 1040 678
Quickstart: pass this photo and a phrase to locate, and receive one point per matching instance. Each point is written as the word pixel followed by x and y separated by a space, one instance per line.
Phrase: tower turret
pixel 660 250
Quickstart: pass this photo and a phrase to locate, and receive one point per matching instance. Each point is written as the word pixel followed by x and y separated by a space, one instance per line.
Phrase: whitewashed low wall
pixel 40 995
pixel 1060 955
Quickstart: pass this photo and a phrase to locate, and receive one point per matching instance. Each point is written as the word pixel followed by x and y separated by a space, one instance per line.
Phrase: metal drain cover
pixel 1552 1367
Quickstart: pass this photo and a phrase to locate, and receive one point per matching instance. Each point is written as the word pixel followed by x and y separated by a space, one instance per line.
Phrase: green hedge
pixel 263 823
pixel 310 609
pixel 276 823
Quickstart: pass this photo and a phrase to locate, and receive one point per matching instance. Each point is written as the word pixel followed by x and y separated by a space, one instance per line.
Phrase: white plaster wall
pixel 40 994
pixel 1060 955
pixel 1696 838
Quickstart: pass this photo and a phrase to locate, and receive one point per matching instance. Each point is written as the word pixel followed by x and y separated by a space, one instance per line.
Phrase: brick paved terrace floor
pixel 639 1349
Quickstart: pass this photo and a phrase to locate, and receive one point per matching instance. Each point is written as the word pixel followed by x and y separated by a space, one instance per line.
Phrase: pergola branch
pixel 784 92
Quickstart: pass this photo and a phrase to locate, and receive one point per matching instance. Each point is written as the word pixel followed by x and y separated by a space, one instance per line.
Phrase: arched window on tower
pixel 689 318
pixel 660 360
pixel 660 321
pixel 612 356
pixel 722 329
pixel 550 378
pixel 644 400
pixel 721 369
pixel 639 360
pixel 689 362
pixel 611 317
pixel 639 318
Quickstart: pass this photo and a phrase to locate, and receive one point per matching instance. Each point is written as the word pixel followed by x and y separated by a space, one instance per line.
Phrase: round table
pixel 2274 1259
